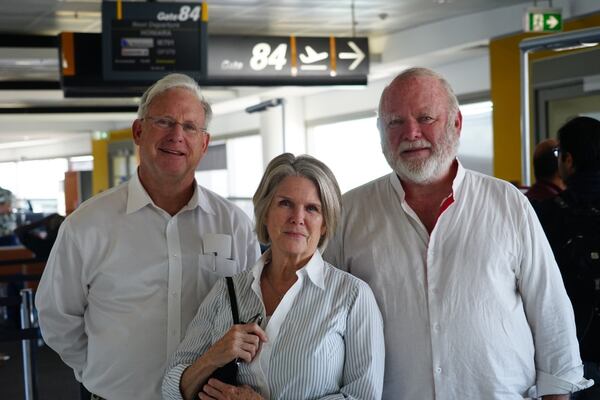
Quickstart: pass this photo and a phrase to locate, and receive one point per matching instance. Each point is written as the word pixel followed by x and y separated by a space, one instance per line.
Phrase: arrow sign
pixel 358 55
pixel 543 20
pixel 552 22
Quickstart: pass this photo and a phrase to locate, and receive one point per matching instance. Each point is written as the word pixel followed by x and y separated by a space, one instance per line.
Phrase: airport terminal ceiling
pixel 451 36
pixel 29 71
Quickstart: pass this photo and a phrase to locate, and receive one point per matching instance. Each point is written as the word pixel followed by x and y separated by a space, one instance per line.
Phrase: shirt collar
pixel 138 197
pixel 458 179
pixel 199 199
pixel 314 269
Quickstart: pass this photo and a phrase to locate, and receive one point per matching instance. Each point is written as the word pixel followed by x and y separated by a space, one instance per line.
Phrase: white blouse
pixel 325 339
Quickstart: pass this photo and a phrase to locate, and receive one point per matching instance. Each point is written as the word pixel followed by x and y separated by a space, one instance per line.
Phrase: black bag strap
pixel 233 300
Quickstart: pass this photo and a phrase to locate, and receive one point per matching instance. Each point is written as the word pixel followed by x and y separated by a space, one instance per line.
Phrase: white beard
pixel 423 170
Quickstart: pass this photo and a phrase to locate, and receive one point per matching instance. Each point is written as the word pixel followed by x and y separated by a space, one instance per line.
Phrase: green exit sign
pixel 543 20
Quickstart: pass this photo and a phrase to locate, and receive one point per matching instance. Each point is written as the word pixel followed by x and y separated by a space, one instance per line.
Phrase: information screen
pixel 148 40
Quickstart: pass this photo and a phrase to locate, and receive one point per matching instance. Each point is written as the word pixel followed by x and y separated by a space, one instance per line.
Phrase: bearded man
pixel 472 299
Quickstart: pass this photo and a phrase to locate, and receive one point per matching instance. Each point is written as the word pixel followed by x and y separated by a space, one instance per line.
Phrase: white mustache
pixel 417 144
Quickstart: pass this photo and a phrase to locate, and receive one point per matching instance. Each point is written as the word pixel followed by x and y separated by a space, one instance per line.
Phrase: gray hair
pixel 307 167
pixel 418 72
pixel 169 82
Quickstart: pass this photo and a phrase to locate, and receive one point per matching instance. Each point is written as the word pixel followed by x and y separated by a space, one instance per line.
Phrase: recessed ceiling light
pixel 78 14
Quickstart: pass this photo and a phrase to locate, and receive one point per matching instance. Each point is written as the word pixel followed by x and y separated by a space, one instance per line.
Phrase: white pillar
pixel 271 131
pixel 288 119
pixel 295 128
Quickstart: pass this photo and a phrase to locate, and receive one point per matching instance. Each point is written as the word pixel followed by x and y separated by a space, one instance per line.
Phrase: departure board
pixel 145 41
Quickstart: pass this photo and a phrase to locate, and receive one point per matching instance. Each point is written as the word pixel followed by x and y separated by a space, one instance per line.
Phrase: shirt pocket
pixel 220 266
pixel 210 269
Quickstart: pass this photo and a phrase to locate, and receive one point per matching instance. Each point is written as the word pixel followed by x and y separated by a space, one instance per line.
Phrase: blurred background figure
pixel 571 221
pixel 548 182
pixel 7 219
pixel 39 236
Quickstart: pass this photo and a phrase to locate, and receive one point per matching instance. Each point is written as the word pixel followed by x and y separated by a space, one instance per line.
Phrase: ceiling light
pixel 78 14
pixel 576 46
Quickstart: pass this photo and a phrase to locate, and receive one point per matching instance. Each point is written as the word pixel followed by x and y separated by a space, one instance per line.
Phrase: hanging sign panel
pixel 287 60
pixel 543 20
pixel 145 41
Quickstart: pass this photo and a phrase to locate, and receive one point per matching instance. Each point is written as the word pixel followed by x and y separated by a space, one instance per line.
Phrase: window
pixel 476 149
pixel 37 184
pixel 235 172
pixel 352 150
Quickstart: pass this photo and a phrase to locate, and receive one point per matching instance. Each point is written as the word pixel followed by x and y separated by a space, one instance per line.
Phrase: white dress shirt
pixel 125 278
pixel 325 339
pixel 476 310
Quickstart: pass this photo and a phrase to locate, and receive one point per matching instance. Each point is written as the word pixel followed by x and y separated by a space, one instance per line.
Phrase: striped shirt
pixel 325 337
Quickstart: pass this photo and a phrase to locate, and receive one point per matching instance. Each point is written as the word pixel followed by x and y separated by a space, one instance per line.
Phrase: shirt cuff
pixel 570 382
pixel 170 385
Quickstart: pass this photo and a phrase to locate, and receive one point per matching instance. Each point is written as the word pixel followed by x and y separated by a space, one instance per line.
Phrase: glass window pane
pixel 41 182
pixel 244 163
pixel 244 169
pixel 351 149
pixel 476 149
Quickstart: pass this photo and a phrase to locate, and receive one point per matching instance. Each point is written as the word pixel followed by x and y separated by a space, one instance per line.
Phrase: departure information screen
pixel 145 41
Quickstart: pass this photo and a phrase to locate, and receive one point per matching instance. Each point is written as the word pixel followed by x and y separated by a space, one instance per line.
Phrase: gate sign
pixel 145 41
pixel 281 60
pixel 543 20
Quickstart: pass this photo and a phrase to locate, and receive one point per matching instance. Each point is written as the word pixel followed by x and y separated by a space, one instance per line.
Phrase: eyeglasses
pixel 555 151
pixel 167 124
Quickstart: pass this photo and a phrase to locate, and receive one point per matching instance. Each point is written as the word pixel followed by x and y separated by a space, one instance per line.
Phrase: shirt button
pixel 438 370
pixel 436 327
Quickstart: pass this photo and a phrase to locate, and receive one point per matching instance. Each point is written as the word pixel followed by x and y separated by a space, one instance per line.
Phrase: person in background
pixel 130 266
pixel 323 336
pixel 8 222
pixel 473 303
pixel 39 236
pixel 7 238
pixel 548 182
pixel 571 221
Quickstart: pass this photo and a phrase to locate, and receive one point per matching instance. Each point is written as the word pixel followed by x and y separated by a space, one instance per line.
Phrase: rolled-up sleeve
pixel 61 300
pixel 559 369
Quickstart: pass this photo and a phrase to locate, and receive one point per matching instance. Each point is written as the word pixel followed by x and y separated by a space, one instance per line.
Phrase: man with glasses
pixel 571 221
pixel 131 265
pixel 472 300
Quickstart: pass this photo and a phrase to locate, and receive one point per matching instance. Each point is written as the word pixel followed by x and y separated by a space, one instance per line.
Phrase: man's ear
pixel 136 129
pixel 204 143
pixel 568 162
pixel 458 122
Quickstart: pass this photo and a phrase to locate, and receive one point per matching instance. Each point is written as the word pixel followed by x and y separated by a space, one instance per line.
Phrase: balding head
pixel 545 162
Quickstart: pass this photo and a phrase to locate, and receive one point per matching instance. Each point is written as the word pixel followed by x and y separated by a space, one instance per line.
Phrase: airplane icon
pixel 312 56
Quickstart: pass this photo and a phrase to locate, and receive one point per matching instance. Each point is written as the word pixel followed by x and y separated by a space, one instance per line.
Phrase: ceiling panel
pixel 272 17
pixel 373 18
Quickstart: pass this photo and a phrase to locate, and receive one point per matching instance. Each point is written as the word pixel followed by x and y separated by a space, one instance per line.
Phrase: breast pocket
pixel 210 269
